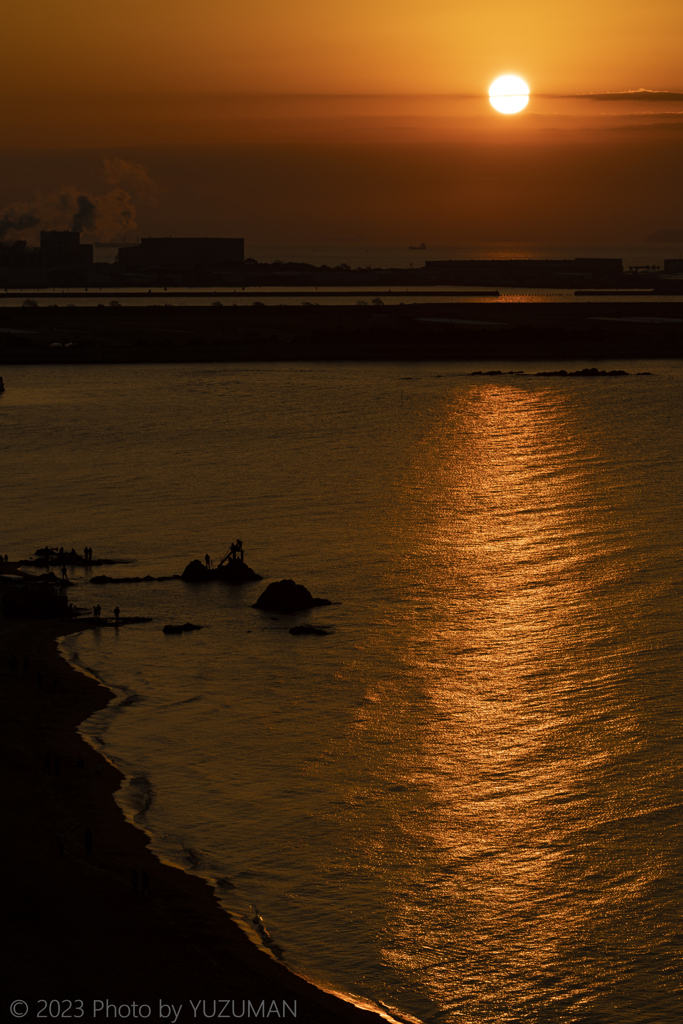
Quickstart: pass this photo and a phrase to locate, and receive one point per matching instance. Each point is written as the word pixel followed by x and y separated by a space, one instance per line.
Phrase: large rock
pixel 287 596
pixel 232 571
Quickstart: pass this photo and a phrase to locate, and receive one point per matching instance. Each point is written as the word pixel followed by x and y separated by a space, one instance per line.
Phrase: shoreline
pixel 414 332
pixel 81 931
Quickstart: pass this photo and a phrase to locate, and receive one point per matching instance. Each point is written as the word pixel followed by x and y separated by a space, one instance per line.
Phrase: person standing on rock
pixel 117 612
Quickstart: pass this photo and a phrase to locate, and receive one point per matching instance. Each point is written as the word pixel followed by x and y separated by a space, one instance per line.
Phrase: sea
pixel 462 803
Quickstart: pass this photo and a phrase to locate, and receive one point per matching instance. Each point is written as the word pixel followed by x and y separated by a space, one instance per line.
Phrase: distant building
pixel 162 252
pixel 581 266
pixel 63 248
pixel 17 254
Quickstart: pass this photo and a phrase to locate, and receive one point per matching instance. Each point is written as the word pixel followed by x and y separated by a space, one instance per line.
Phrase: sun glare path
pixel 509 94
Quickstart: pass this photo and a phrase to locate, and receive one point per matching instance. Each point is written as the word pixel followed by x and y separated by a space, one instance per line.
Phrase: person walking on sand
pixel 117 612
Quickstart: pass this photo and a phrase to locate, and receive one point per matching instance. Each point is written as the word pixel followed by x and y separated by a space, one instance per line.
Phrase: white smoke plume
pixel 98 217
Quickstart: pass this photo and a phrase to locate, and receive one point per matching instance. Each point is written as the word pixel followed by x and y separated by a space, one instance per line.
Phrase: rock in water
pixel 287 596
pixel 233 571
pixel 307 630
pixel 185 628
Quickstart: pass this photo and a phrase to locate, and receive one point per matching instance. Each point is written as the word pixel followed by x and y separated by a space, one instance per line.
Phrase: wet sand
pixel 78 929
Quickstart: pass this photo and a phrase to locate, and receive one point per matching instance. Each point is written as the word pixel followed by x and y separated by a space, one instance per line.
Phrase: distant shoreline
pixel 414 332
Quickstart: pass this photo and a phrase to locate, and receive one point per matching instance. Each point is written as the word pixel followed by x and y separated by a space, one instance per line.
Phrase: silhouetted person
pixel 134 880
pixel 146 888
pixel 207 561
pixel 117 612
pixel 61 840
pixel 88 841
pixel 96 612
pixel 64 574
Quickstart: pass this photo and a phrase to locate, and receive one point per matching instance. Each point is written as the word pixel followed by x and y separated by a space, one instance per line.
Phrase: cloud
pixel 135 176
pixel 85 215
pixel 641 95
pixel 16 217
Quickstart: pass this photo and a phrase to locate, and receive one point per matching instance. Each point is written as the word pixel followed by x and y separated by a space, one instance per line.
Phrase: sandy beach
pixel 80 931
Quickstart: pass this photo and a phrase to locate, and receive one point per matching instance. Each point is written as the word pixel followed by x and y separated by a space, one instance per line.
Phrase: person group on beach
pixel 97 613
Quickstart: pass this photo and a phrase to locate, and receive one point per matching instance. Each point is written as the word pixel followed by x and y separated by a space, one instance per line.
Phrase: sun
pixel 509 94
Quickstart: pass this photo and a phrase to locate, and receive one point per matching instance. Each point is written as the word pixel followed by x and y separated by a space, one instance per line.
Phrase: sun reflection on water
pixel 522 658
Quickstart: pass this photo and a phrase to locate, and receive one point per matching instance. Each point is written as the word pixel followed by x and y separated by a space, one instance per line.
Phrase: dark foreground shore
pixel 414 331
pixel 77 930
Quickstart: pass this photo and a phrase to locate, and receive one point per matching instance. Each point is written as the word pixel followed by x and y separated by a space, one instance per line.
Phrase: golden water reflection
pixel 524 759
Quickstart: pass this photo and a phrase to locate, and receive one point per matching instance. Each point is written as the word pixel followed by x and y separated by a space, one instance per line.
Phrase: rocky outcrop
pixel 232 571
pixel 592 372
pixel 287 596
pixel 132 579
pixel 58 556
pixel 308 630
pixel 187 627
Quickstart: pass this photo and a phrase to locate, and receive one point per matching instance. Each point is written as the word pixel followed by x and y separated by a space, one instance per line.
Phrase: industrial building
pixel 579 267
pixel 63 248
pixel 182 252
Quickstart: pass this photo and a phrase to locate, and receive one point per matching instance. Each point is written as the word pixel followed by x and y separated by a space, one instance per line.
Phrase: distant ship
pixel 420 246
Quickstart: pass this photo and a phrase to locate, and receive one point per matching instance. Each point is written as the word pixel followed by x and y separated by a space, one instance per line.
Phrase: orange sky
pixel 305 46
pixel 312 119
